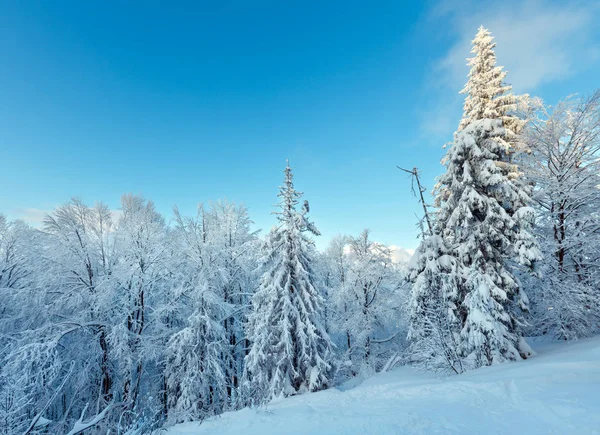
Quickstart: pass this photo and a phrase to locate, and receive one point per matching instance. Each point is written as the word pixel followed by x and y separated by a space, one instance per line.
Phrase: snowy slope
pixel 555 392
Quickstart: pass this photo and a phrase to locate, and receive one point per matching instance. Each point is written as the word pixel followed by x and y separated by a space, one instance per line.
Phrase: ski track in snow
pixel 555 392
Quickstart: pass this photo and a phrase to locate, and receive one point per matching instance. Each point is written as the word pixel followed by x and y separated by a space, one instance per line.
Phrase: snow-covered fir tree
pixel 433 325
pixel 487 95
pixel 290 349
pixel 484 221
pixel 485 226
pixel 195 369
pixel 564 164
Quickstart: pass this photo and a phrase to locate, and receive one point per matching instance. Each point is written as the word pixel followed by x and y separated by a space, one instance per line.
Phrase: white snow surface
pixel 557 391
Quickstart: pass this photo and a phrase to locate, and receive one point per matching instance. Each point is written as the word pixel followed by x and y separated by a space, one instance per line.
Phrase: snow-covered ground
pixel 555 392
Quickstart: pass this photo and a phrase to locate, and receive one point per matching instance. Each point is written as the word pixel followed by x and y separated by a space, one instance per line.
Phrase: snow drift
pixel 556 391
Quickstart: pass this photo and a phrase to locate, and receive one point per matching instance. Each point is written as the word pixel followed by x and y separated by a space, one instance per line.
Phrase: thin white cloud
pixel 401 255
pixel 32 216
pixel 538 42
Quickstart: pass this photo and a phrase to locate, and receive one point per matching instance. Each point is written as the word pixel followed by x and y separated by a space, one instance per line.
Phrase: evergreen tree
pixel 489 97
pixel 290 348
pixel 434 329
pixel 195 372
pixel 484 225
pixel 484 222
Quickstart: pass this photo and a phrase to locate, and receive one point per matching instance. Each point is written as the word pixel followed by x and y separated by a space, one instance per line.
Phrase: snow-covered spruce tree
pixel 485 225
pixel 487 96
pixel 290 349
pixel 434 328
pixel 564 164
pixel 195 370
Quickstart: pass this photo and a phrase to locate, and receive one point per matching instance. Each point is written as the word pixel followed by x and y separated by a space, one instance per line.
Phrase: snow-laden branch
pixel 80 425
pixel 385 340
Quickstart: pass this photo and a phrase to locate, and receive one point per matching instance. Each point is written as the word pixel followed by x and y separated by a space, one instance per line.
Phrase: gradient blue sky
pixel 188 102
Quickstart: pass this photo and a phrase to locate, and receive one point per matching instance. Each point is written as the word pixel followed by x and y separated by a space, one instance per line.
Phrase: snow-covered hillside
pixel 555 392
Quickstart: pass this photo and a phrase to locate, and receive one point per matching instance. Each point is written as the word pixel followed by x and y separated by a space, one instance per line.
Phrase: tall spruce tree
pixel 489 97
pixel 484 222
pixel 290 348
pixel 485 227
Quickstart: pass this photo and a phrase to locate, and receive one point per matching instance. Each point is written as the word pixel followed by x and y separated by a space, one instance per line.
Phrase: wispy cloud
pixel 401 255
pixel 32 216
pixel 538 42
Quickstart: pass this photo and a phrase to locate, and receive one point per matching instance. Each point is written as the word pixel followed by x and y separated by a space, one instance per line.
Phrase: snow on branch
pixel 80 425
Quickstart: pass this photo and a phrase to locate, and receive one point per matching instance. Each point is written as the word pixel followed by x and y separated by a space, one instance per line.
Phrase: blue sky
pixel 204 100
